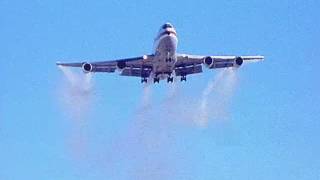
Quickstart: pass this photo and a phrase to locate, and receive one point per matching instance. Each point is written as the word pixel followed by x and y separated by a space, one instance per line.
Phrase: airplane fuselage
pixel 165 45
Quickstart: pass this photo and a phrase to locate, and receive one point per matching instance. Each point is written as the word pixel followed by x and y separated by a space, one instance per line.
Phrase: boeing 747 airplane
pixel 164 63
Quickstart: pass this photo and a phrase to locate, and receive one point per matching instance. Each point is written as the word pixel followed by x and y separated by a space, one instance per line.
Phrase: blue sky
pixel 271 130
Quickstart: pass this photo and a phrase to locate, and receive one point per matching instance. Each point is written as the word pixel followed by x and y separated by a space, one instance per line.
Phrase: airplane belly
pixel 162 66
pixel 165 60
pixel 167 44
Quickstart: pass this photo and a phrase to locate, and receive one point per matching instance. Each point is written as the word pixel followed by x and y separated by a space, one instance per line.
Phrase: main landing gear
pixel 156 80
pixel 143 80
pixel 183 78
pixel 170 80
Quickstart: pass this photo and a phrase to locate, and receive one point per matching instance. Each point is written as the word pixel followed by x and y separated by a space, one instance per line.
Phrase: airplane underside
pixel 165 58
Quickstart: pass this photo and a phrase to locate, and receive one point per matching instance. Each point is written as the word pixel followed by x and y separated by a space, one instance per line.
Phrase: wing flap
pixel 188 60
pixel 108 69
pixel 183 71
pixel 223 65
pixel 136 72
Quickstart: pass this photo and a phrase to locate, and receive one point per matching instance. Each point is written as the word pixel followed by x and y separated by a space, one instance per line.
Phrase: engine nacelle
pixel 87 67
pixel 208 61
pixel 238 61
pixel 121 65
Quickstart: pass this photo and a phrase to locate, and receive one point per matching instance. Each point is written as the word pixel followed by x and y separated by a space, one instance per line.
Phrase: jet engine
pixel 121 65
pixel 208 61
pixel 238 61
pixel 87 67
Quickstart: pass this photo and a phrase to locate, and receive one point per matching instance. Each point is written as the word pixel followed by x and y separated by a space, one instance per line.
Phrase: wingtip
pixel 259 57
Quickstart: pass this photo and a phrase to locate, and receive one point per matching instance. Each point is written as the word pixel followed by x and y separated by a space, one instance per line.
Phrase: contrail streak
pixel 77 93
pixel 76 96
pixel 150 146
pixel 146 95
pixel 216 97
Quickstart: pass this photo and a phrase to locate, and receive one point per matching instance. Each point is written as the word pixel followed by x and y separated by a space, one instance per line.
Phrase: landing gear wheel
pixel 183 78
pixel 168 59
pixel 170 79
pixel 143 80
pixel 156 80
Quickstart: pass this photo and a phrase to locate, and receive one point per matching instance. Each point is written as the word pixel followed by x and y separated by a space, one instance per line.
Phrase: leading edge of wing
pixel 108 62
pixel 58 63
pixel 260 58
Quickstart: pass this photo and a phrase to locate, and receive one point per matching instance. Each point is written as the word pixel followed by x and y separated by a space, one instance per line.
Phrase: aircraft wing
pixel 137 66
pixel 186 60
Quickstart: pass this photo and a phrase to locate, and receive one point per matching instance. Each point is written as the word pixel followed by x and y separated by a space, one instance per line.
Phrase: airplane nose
pixel 167 26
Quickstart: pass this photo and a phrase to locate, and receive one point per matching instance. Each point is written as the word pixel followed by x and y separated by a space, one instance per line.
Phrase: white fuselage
pixel 165 46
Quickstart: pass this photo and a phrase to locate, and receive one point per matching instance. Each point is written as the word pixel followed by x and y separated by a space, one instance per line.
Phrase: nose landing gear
pixel 169 59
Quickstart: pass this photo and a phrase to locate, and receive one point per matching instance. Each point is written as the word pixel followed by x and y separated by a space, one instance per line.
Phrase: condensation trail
pixel 173 89
pixel 77 93
pixel 146 95
pixel 76 96
pixel 147 148
pixel 202 119
pixel 146 144
pixel 216 97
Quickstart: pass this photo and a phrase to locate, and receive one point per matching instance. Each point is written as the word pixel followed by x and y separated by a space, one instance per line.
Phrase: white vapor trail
pixel 146 96
pixel 146 146
pixel 216 97
pixel 173 89
pixel 76 96
pixel 77 93
pixel 153 145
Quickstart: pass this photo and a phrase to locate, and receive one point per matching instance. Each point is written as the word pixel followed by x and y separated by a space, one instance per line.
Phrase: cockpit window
pixel 165 26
